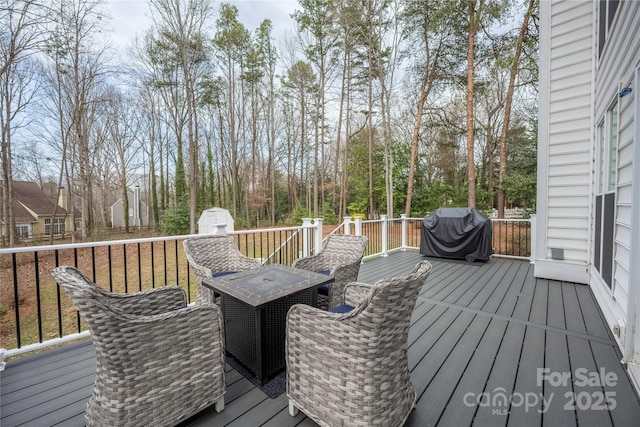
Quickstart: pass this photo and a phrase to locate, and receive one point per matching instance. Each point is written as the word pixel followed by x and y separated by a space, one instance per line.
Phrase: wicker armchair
pixel 352 369
pixel 212 255
pixel 340 257
pixel 158 360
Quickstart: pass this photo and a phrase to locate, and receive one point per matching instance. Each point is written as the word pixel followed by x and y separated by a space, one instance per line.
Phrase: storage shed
pixel 210 218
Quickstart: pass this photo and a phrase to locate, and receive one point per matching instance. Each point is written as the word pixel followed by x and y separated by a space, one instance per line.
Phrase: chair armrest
pixel 356 292
pixel 242 262
pixel 149 302
pixel 202 272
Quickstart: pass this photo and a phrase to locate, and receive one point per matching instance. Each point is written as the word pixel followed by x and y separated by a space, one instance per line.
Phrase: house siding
pixel 566 135
pixel 117 218
pixel 616 70
pixel 578 87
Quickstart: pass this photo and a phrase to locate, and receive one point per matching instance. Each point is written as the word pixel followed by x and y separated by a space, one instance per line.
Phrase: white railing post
pixel 385 235
pixel 358 226
pixel 347 225
pixel 403 217
pixel 533 221
pixel 306 246
pixel 317 223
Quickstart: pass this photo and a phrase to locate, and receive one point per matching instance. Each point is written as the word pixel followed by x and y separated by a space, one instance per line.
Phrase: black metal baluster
pixel 38 303
pixel 124 257
pixel 58 299
pixel 528 238
pixel 511 229
pixel 16 300
pixel 177 271
pixel 75 263
pixel 153 267
pixel 139 269
pixel 261 243
pixel 164 255
pixel 110 268
pixel 93 262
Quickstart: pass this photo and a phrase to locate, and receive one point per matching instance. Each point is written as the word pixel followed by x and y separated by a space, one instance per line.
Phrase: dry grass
pixel 118 268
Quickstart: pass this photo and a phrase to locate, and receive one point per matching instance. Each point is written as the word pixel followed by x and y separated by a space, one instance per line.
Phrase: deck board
pixel 476 329
pixel 557 361
pixel 573 314
pixel 433 403
pixel 502 376
pixel 581 357
pixel 526 406
pixel 475 374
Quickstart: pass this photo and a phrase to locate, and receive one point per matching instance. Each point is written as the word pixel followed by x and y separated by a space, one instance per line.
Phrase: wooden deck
pixel 480 336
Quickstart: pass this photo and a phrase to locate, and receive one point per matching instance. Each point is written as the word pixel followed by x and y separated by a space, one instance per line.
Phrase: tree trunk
pixel 370 123
pixel 7 174
pixel 507 110
pixel 471 171
pixel 414 143
pixel 336 159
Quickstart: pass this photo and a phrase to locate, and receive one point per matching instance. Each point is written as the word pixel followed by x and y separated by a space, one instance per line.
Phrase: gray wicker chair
pixel 351 369
pixel 340 257
pixel 212 255
pixel 158 360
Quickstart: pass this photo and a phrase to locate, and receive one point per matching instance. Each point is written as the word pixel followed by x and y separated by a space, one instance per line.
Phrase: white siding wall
pixel 617 69
pixel 565 150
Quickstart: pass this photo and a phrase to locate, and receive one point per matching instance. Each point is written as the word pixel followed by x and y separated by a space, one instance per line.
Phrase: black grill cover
pixel 457 233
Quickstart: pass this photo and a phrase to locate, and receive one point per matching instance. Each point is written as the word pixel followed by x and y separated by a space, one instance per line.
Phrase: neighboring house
pixel 33 211
pixel 588 221
pixel 138 211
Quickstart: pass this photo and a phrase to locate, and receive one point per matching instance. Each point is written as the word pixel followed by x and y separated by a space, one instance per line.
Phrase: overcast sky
pixel 131 17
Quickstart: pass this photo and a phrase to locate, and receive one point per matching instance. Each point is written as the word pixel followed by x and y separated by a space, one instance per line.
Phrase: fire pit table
pixel 255 304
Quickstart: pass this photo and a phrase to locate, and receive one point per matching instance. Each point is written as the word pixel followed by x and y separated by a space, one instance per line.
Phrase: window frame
pixel 606 12
pixel 58 226
pixel 607 145
pixel 23 231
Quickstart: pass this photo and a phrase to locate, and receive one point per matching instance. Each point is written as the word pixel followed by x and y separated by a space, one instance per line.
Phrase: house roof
pixel 28 196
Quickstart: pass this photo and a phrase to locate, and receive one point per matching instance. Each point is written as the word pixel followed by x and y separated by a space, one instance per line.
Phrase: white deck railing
pixel 34 314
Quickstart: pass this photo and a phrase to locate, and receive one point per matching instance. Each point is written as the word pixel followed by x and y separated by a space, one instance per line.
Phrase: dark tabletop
pixel 263 285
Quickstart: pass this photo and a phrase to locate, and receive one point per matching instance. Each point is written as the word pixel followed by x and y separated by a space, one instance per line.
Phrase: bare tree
pixel 20 35
pixel 270 55
pixel 231 41
pixel 316 21
pixel 180 27
pixel 121 127
pixel 300 80
pixel 79 60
